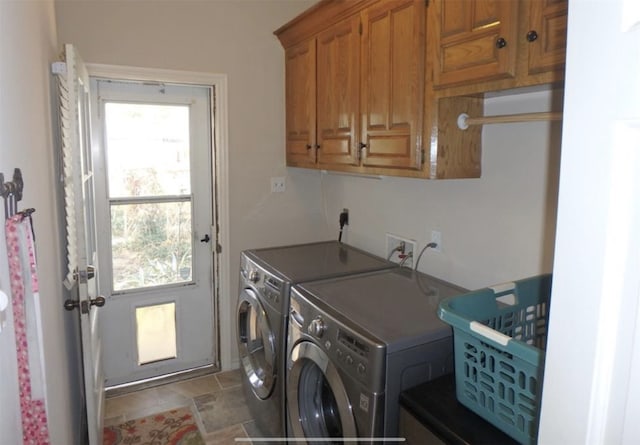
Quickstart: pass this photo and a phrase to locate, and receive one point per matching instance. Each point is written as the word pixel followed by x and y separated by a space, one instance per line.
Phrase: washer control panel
pixel 353 352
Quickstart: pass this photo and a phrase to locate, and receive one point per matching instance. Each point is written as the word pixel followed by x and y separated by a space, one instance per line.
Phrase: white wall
pixel 28 45
pixel 497 228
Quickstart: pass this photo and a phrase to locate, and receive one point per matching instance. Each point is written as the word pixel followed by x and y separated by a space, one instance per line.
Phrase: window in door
pixel 148 164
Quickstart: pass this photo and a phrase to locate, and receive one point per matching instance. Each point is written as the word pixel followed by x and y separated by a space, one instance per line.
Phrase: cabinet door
pixel 392 83
pixel 477 40
pixel 300 86
pixel 547 35
pixel 338 63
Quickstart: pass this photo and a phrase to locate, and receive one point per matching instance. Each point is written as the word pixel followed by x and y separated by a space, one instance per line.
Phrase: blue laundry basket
pixel 500 335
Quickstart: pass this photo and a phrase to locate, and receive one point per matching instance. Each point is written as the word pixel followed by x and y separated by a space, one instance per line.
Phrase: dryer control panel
pixel 270 287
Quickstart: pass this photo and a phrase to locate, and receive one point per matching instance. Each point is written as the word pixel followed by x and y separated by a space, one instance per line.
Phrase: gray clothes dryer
pixel 354 344
pixel 266 276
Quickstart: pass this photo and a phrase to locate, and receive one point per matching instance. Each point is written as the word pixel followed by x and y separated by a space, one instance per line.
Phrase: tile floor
pixel 217 401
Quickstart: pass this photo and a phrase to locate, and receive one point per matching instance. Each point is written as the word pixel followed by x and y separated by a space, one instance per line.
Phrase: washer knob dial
pixel 254 276
pixel 317 327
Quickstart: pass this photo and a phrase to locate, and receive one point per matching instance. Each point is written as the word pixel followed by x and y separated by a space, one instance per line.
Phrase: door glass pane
pixel 151 244
pixel 156 332
pixel 319 411
pixel 256 347
pixel 148 149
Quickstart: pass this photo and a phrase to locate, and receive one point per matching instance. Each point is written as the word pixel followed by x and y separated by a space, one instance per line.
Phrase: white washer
pixel 266 276
pixel 354 344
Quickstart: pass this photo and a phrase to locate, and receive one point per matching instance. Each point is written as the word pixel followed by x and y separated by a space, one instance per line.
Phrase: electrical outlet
pixel 277 184
pixel 436 237
pixel 400 250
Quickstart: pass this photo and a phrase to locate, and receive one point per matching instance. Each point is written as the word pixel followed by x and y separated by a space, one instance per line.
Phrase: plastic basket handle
pixel 489 333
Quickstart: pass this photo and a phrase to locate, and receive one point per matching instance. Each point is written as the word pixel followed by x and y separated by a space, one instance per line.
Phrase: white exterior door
pixel 81 237
pixel 153 145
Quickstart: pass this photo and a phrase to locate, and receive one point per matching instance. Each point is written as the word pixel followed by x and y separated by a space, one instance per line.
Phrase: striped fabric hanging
pixel 24 290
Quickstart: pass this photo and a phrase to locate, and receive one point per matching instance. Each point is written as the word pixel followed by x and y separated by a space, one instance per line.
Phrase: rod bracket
pixel 462 121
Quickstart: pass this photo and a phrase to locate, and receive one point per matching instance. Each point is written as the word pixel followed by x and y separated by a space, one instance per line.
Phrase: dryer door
pixel 256 344
pixel 317 400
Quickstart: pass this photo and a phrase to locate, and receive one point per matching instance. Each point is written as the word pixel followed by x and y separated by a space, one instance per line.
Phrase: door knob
pixel 71 304
pixel 98 301
pixel 206 239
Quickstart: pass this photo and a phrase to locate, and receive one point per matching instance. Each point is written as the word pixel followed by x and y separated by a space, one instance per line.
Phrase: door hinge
pixel 426 3
pixel 85 275
pixel 360 28
pixel 422 157
pixel 218 248
pixel 59 68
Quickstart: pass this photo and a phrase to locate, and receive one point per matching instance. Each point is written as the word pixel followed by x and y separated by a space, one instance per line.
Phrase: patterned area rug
pixel 175 427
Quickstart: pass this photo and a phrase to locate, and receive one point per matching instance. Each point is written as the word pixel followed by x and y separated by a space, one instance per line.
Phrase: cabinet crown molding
pixel 317 18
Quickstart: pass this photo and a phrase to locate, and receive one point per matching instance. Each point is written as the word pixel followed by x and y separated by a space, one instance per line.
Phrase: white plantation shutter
pixel 70 74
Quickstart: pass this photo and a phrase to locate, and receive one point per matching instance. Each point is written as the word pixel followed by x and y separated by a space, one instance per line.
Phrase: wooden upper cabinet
pixel 360 80
pixel 477 40
pixel 337 94
pixel 300 92
pixel 547 35
pixel 392 84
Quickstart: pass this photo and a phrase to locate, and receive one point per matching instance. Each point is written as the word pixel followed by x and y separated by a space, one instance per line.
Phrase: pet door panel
pixel 156 333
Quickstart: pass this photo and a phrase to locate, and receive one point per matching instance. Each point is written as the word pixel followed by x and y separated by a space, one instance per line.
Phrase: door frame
pixel 220 190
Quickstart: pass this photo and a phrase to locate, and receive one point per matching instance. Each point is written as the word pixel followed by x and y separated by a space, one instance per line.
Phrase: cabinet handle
pixel 308 146
pixel 317 146
pixel 361 150
pixel 501 43
pixel 532 35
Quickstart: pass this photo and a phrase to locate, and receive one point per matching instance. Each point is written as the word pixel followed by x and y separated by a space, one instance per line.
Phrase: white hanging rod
pixel 464 121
